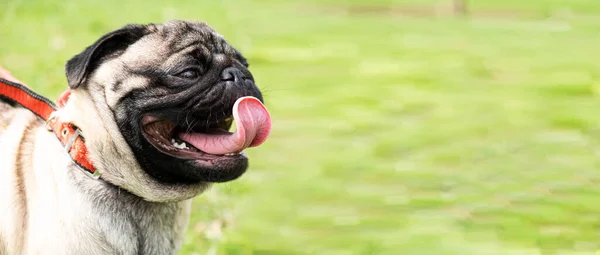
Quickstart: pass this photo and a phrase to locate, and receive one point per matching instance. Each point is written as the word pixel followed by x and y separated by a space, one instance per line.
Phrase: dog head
pixel 154 103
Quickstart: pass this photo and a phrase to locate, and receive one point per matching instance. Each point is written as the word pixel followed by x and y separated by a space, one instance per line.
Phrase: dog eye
pixel 190 73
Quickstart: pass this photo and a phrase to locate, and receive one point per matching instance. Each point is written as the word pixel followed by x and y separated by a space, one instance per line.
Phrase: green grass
pixel 392 133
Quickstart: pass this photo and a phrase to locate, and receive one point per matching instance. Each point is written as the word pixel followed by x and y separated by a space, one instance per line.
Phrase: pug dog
pixel 154 104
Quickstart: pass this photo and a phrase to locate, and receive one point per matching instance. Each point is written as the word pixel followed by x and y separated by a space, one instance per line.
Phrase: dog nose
pixel 232 74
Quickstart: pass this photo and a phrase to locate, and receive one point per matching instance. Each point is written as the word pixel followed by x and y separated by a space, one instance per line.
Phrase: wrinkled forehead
pixel 170 42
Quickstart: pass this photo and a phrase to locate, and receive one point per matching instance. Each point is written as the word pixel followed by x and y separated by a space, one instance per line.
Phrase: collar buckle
pixel 50 121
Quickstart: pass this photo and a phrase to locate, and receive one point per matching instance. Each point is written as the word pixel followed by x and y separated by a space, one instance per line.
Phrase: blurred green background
pixel 399 128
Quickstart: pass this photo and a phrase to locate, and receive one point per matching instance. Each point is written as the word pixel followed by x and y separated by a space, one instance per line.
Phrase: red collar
pixel 68 134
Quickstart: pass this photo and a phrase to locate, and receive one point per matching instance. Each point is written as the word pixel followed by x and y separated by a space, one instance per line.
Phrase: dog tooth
pixel 181 145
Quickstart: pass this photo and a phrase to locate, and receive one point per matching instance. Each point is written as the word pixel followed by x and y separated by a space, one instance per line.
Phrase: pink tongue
pixel 253 126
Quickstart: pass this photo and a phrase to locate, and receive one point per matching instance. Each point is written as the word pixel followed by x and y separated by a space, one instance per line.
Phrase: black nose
pixel 232 74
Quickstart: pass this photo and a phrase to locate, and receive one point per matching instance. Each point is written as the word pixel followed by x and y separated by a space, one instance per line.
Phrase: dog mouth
pixel 212 144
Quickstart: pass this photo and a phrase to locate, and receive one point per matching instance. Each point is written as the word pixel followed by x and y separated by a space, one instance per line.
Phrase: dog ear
pixel 82 64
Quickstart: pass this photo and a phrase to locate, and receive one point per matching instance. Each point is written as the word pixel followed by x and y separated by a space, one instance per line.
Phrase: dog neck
pixel 131 225
pixel 110 153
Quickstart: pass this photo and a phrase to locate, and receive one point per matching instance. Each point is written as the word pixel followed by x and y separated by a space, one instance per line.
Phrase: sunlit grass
pixel 392 134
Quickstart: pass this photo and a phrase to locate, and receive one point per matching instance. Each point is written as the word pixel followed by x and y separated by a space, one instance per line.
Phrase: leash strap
pixel 68 134
pixel 22 95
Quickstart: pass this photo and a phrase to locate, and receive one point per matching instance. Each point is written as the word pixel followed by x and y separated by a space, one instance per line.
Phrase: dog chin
pixel 224 169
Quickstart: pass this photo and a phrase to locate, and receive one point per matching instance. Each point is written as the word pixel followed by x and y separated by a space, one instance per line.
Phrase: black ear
pixel 82 64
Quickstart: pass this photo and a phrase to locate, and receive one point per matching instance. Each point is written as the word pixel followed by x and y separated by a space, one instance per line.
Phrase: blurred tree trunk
pixel 460 7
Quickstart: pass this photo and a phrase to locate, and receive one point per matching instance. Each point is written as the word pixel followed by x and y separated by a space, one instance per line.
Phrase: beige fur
pixel 45 211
